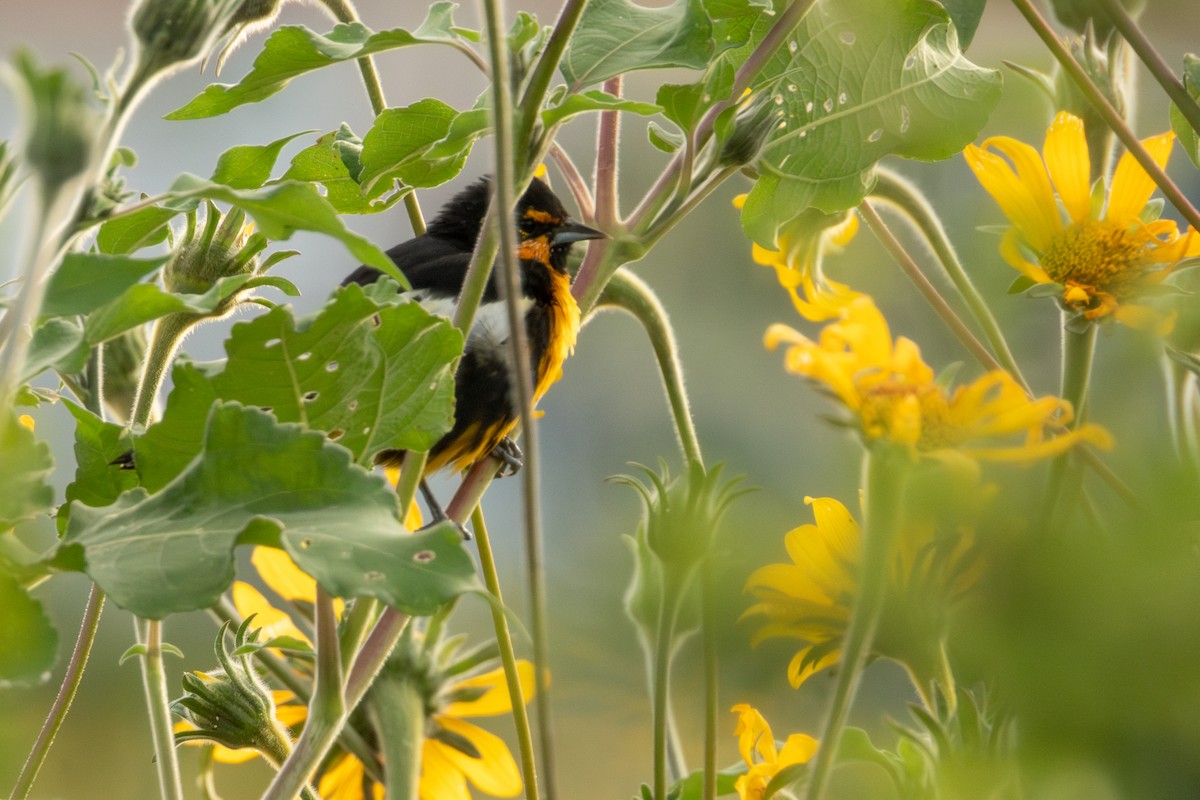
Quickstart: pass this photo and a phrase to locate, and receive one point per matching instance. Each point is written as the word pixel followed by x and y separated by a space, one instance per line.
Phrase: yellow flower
pixel 756 743
pixel 811 598
pixel 1103 261
pixel 797 263
pixel 894 397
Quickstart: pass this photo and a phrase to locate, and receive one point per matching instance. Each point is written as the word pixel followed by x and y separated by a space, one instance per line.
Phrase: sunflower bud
pixel 61 124
pixel 756 120
pixel 227 246
pixel 1110 78
pixel 171 33
pixel 231 705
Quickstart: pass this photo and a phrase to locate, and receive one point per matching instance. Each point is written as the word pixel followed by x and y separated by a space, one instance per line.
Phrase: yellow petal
pixel 1132 185
pixel 1024 193
pixel 798 749
pixel 440 778
pixel 494 772
pixel 343 780
pixel 282 575
pixel 1010 250
pixel 496 699
pixel 1066 152
pixel 754 734
pixel 274 622
pixel 799 671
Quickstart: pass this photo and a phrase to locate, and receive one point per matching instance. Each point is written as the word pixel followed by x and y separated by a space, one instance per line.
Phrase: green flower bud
pixel 61 125
pixel 756 120
pixel 231 705
pixel 172 33
pixel 1111 80
pixel 227 246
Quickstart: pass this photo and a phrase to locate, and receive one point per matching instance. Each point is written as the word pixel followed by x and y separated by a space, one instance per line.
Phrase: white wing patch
pixel 490 330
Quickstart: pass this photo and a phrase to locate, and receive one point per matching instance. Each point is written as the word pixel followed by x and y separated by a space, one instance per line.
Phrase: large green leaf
pixel 617 36
pixel 86 281
pixel 283 208
pixel 28 642
pixel 263 482
pixel 423 145
pixel 25 463
pixel 371 374
pixel 248 166
pixel 966 15
pixel 146 302
pixel 334 161
pixel 594 100
pixel 293 50
pixel 57 344
pixel 860 80
pixel 137 230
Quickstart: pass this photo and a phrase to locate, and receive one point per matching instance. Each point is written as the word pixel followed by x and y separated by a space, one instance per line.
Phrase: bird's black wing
pixel 431 264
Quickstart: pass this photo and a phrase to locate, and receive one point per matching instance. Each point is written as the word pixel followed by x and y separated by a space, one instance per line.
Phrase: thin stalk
pixel 708 623
pixel 491 579
pixel 660 691
pixel 579 188
pixel 1078 351
pixel 893 189
pixel 66 694
pixel 630 293
pixel 327 710
pixel 505 200
pixel 356 626
pixel 608 146
pixel 927 289
pixel 168 333
pixel 884 490
pixel 397 710
pixel 1154 62
pixel 154 681
pixel 1105 109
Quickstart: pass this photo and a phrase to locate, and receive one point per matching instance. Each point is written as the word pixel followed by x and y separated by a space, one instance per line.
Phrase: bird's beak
pixel 575 232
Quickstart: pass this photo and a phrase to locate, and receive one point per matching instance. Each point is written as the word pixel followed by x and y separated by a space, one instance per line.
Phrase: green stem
pixel 66 694
pixel 1096 97
pixel 892 188
pixel 708 622
pixel 1078 352
pixel 168 333
pixel 660 690
pixel 491 578
pixel 927 289
pixel 543 71
pixel 629 293
pixel 1154 62
pixel 154 681
pixel 355 627
pixel 884 490
pixel 397 710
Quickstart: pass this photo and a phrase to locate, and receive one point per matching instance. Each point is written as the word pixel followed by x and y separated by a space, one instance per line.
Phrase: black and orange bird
pixel 435 264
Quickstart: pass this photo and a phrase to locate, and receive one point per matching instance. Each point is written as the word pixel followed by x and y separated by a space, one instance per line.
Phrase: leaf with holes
pixel 857 81
pixel 617 36
pixel 258 481
pixel 293 50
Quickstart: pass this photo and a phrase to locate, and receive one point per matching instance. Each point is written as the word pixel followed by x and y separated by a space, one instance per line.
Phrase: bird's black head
pixel 544 228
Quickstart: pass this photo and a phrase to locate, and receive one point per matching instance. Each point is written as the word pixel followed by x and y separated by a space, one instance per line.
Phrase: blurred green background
pixel 1123 649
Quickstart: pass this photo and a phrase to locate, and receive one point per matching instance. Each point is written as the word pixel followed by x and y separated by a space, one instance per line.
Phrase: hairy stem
pixel 661 691
pixel 168 333
pixel 66 694
pixel 884 490
pixel 491 578
pixel 1078 352
pixel 154 681
pixel 1105 109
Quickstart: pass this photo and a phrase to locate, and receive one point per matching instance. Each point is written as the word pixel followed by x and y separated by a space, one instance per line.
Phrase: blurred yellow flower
pixel 811 598
pixel 894 396
pixel 797 263
pixel 756 743
pixel 1103 261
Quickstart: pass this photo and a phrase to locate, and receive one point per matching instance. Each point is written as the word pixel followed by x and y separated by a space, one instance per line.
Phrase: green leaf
pixel 1188 138
pixel 692 787
pixel 282 209
pixel 249 166
pixel 784 778
pixel 665 140
pixel 334 162
pixel 130 233
pixel 966 15
pixel 293 50
pixel 146 302
pixel 86 281
pixel 369 386
pixel 594 100
pixel 1021 283
pixel 682 104
pixel 133 651
pixel 97 481
pixel 862 79
pixel 424 144
pixel 25 463
pixel 57 344
pixel 259 481
pixel 617 36
pixel 28 641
